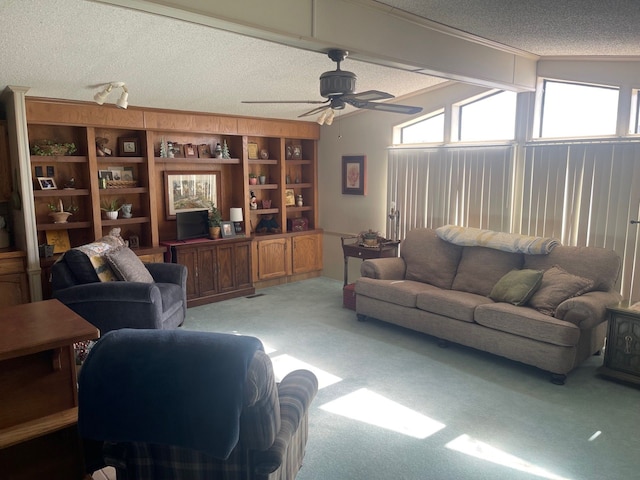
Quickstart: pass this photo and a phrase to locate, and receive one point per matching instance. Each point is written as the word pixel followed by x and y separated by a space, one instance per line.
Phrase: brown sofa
pixel 450 291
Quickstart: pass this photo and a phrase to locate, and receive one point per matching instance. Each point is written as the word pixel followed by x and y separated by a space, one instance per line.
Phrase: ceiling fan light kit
pixel 122 102
pixel 338 87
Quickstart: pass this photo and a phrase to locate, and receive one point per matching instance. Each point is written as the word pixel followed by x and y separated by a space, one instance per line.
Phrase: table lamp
pixel 235 215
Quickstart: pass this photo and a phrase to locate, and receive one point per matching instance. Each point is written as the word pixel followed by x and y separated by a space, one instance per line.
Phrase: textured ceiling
pixel 68 48
pixel 541 27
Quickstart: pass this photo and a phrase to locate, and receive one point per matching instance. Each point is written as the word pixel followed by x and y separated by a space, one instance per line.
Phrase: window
pixel 429 130
pixel 492 117
pixel 577 110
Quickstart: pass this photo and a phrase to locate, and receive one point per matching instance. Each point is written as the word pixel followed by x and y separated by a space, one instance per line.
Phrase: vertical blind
pixel 583 193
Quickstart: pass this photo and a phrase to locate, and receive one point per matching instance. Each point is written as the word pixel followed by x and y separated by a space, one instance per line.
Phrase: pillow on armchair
pixel 127 266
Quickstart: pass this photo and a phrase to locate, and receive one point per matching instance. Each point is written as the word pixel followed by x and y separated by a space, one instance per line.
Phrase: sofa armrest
pixel 588 310
pixel 296 392
pixel 168 272
pixel 115 305
pixel 392 268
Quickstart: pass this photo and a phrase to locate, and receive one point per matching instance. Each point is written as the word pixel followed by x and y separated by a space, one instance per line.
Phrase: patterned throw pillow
pixel 557 286
pixel 127 266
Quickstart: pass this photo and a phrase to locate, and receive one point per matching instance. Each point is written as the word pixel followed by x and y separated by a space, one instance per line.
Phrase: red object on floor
pixel 349 296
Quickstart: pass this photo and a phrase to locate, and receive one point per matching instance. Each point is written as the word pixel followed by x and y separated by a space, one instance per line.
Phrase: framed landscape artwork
pixel 189 191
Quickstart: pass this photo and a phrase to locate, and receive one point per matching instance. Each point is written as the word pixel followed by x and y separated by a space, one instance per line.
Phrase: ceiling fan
pixel 338 87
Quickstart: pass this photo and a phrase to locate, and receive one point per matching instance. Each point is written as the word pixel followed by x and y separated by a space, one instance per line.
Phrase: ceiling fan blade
pixel 368 96
pixel 385 107
pixel 284 101
pixel 314 111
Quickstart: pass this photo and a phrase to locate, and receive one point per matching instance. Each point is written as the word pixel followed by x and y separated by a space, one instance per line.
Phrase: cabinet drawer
pixel 11 265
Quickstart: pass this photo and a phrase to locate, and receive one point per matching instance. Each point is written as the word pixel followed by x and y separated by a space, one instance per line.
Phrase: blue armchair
pixel 113 305
pixel 183 404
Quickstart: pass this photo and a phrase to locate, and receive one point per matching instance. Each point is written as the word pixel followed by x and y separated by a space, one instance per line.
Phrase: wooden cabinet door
pixel 226 268
pixel 273 261
pixel 189 258
pixel 13 289
pixel 207 265
pixel 242 252
pixel 306 253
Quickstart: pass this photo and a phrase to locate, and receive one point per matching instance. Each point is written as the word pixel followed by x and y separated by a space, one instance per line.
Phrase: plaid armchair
pixel 192 405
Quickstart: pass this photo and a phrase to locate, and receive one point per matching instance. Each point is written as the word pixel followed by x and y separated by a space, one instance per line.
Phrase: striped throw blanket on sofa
pixel 508 242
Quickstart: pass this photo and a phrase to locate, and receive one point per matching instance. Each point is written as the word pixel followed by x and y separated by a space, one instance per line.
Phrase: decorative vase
pixel 214 232
pixel 253 180
pixel 112 215
pixel 262 179
pixel 60 217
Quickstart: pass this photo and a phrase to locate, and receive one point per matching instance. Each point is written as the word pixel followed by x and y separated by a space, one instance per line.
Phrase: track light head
pixel 122 102
pixel 100 97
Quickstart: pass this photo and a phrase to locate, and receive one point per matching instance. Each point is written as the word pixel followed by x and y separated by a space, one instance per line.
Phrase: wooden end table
pixel 622 352
pixel 39 396
pixel 354 249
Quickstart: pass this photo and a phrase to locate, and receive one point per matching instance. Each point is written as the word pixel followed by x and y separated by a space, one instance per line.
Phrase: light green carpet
pixel 508 415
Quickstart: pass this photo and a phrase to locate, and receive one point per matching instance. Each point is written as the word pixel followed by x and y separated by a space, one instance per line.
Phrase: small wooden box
pixel 297 224
pixel 349 296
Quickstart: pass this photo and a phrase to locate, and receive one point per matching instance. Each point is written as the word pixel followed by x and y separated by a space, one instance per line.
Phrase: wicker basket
pixel 121 183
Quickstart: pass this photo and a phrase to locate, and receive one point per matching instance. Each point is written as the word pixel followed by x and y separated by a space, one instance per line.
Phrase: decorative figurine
pixel 218 151
pixel 253 202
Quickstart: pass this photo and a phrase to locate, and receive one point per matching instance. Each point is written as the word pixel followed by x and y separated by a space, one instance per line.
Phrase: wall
pixel 364 133
pixel 370 133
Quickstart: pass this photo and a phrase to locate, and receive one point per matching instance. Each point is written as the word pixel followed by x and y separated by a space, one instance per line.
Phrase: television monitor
pixel 194 224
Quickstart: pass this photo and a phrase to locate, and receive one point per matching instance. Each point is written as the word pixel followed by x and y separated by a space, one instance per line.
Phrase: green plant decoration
pixel 49 148
pixel 110 206
pixel 214 216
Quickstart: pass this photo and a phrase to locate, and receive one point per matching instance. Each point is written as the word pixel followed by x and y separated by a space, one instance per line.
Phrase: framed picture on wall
pixel 189 191
pixel 354 175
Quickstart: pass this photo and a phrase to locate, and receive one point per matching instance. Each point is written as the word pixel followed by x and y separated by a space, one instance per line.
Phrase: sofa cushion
pixel 557 286
pixel 428 258
pixel 598 264
pixel 480 269
pixel 517 286
pixel 450 303
pixel 399 292
pixel 127 266
pixel 527 322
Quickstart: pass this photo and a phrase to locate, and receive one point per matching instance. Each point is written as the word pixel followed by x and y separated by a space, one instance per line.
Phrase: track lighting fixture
pixel 122 102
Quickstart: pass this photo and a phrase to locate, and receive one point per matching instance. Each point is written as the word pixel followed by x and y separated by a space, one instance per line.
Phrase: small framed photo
pixel 127 174
pixel 227 229
pixel 190 150
pixel 290 197
pixel 204 151
pixel 106 174
pixel 128 147
pixel 252 150
pixel 47 183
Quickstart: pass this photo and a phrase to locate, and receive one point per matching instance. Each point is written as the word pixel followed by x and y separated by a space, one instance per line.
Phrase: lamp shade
pixel 235 214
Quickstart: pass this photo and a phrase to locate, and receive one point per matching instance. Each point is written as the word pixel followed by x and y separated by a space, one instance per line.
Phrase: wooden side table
pixel 39 397
pixel 622 352
pixel 352 248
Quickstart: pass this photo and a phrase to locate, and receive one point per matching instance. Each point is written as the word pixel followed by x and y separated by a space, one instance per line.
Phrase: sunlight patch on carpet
pixel 369 407
pixel 470 446
pixel 283 364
